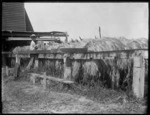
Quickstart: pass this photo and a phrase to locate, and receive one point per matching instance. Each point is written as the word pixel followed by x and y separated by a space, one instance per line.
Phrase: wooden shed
pixel 15 17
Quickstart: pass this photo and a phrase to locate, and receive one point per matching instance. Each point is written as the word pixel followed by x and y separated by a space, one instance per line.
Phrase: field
pixel 21 96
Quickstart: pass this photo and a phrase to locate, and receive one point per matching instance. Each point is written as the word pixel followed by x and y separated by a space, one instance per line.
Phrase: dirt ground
pixel 23 97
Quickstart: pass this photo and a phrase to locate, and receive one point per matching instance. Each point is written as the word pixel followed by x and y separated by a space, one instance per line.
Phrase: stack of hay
pixel 120 70
pixel 104 44
pixel 20 49
pixel 110 44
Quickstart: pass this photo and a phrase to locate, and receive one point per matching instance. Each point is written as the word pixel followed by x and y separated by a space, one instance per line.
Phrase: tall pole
pixel 66 40
pixel 99 32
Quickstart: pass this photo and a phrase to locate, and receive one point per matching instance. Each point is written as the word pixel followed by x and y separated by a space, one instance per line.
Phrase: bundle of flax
pixel 90 71
pixel 76 66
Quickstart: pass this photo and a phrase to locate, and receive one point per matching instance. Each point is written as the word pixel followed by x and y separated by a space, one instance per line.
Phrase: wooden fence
pixel 138 56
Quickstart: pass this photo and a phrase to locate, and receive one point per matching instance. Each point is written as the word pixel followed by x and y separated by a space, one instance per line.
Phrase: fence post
pixel 17 64
pixel 44 81
pixel 67 67
pixel 113 78
pixel 33 79
pixel 142 77
pixel 138 76
pixel 64 60
pixel 6 70
pixel 36 64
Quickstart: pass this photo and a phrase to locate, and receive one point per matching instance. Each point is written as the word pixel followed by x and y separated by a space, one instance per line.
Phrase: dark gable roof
pixel 14 17
pixel 28 23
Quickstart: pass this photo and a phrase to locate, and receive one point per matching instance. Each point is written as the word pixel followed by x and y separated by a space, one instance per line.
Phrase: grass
pixel 97 93
pixel 113 100
pixel 58 98
pixel 107 96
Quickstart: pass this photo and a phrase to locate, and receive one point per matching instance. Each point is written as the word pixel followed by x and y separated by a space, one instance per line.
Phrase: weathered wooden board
pixel 145 54
pixel 137 62
pixel 52 78
pixel 73 50
pixel 138 76
pixel 142 78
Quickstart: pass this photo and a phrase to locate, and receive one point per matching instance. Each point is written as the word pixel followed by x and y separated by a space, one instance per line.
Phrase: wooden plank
pixel 54 51
pixel 7 70
pixel 32 79
pixel 28 34
pixel 145 54
pixel 17 65
pixel 36 64
pixel 4 53
pixel 138 76
pixel 44 80
pixel 74 50
pixel 29 39
pixel 52 78
pixel 38 52
pixel 137 62
pixel 30 63
pixel 67 82
pixel 142 78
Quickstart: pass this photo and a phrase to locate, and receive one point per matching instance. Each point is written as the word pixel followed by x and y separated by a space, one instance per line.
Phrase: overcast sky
pixel 83 19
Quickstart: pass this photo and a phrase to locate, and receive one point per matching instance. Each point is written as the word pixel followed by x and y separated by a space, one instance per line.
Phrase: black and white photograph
pixel 74 57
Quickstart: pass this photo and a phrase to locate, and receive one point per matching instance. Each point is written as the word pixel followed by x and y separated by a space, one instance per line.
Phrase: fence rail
pixel 80 54
pixel 72 50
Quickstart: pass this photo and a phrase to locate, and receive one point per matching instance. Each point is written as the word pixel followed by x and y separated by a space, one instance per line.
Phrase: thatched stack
pixel 140 43
pixel 72 45
pixel 20 49
pixel 104 44
pixel 110 44
pixel 52 45
pixel 116 71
